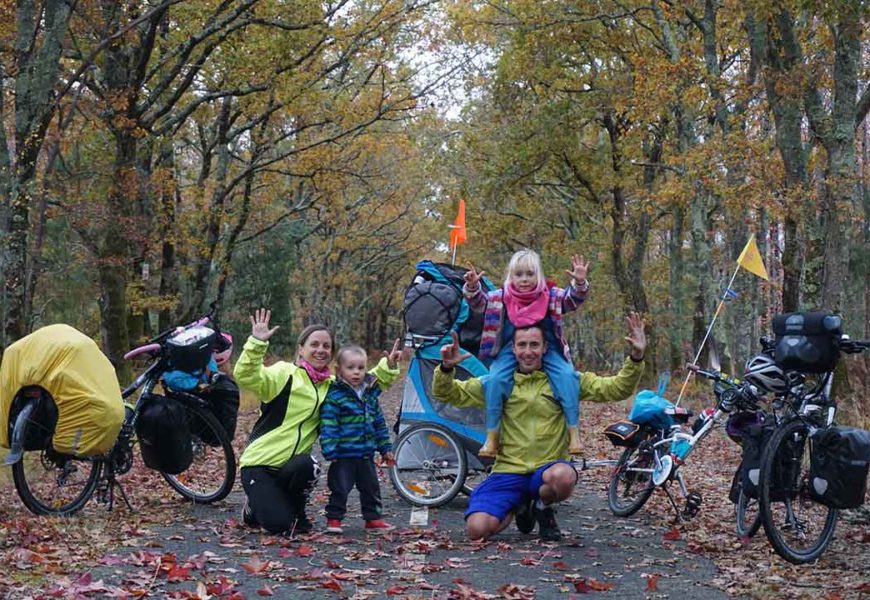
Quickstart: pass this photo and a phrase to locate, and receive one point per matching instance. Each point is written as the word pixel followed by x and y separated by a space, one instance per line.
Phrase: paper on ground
pixel 419 516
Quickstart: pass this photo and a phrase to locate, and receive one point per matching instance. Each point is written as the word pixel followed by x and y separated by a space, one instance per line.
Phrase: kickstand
pixel 112 483
pixel 667 490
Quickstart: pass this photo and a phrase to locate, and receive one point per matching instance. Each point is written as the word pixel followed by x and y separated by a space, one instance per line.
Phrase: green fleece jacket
pixel 289 405
pixel 533 430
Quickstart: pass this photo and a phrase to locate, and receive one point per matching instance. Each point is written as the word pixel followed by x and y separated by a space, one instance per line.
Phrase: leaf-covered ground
pixel 168 548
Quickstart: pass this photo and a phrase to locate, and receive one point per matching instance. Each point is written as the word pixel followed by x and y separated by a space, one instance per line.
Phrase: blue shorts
pixel 501 493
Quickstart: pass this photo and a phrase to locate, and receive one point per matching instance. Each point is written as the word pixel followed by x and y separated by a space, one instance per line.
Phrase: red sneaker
pixel 333 526
pixel 378 526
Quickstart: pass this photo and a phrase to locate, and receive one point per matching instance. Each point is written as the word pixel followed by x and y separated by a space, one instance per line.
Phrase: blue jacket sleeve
pixel 330 427
pixel 382 432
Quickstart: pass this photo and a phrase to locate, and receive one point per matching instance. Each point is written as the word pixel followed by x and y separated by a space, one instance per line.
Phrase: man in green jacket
pixel 531 472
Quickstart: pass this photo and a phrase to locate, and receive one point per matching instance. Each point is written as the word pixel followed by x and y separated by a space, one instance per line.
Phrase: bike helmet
pixel 223 356
pixel 763 372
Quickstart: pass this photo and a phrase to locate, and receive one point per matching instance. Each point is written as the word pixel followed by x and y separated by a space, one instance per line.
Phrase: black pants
pixel 344 473
pixel 277 497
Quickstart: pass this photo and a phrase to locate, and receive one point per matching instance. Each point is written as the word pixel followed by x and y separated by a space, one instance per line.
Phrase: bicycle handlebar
pixel 147 348
pixel 713 375
pixel 854 346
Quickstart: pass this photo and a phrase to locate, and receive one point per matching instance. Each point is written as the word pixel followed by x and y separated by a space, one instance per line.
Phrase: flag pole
pixel 707 334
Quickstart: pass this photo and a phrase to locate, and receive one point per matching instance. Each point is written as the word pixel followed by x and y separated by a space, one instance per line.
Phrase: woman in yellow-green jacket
pixel 531 472
pixel 278 470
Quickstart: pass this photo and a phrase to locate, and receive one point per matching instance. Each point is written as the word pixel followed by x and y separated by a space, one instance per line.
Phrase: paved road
pixel 600 554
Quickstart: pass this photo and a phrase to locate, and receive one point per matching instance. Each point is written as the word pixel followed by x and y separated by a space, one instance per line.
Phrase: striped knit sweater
pixel 561 301
pixel 353 426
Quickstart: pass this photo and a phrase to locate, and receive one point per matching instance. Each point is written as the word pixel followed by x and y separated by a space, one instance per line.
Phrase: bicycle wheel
pixel 748 515
pixel 798 527
pixel 430 465
pixel 211 475
pixel 631 483
pixel 50 483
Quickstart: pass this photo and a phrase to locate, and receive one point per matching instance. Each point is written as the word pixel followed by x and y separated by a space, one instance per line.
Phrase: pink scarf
pixel 526 308
pixel 316 375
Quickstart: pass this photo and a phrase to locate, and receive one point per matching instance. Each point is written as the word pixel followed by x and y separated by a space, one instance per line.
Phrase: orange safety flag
pixel 457 230
pixel 750 259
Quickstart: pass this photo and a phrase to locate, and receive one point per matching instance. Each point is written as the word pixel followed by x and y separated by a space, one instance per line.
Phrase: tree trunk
pixel 38 68
pixel 169 199
pixel 676 329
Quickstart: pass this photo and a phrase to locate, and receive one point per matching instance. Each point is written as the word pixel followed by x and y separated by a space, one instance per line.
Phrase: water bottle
pixel 680 449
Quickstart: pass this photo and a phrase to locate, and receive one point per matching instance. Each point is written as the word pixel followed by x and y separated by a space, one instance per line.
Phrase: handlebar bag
pixel 164 435
pixel 839 462
pixel 76 376
pixel 191 349
pixel 623 433
pixel 807 342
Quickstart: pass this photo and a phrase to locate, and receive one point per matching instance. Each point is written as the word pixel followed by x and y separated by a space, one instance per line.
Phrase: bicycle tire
pixel 204 453
pixel 748 515
pixel 782 485
pixel 24 476
pixel 623 476
pixel 427 457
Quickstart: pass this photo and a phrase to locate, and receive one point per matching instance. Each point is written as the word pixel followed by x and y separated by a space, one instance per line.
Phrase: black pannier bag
pixel 807 342
pixel 223 398
pixel 839 463
pixel 164 435
pixel 191 349
pixel 623 433
pixel 42 421
pixel 754 440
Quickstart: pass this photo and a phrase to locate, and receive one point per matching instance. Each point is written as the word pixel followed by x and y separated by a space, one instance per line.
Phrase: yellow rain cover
pixel 79 377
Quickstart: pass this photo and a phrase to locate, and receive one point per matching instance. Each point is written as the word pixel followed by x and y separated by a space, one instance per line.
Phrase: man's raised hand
pixel 260 324
pixel 636 335
pixel 452 354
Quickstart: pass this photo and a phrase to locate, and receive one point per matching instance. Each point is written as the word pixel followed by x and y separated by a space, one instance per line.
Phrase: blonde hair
pixel 529 259
pixel 349 349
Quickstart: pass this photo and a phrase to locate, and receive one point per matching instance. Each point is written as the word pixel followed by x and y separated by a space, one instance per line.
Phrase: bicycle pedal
pixel 693 505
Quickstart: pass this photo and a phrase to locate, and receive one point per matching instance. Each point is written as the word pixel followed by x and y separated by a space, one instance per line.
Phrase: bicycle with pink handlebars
pixel 61 484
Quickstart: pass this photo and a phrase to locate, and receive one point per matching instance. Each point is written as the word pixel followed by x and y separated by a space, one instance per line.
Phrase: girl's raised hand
pixel 260 324
pixel 579 269
pixel 472 277
pixel 395 355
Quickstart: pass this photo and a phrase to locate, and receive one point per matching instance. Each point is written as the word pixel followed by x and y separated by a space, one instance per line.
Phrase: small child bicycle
pixel 656 445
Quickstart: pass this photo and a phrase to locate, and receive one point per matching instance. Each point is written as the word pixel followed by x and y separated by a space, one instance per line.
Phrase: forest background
pixel 159 155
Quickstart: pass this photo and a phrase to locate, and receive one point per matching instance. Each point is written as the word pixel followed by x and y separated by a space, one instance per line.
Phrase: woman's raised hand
pixel 472 278
pixel 260 324
pixel 395 355
pixel 579 269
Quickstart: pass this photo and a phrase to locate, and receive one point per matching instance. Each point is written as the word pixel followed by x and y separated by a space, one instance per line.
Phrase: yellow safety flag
pixel 750 259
